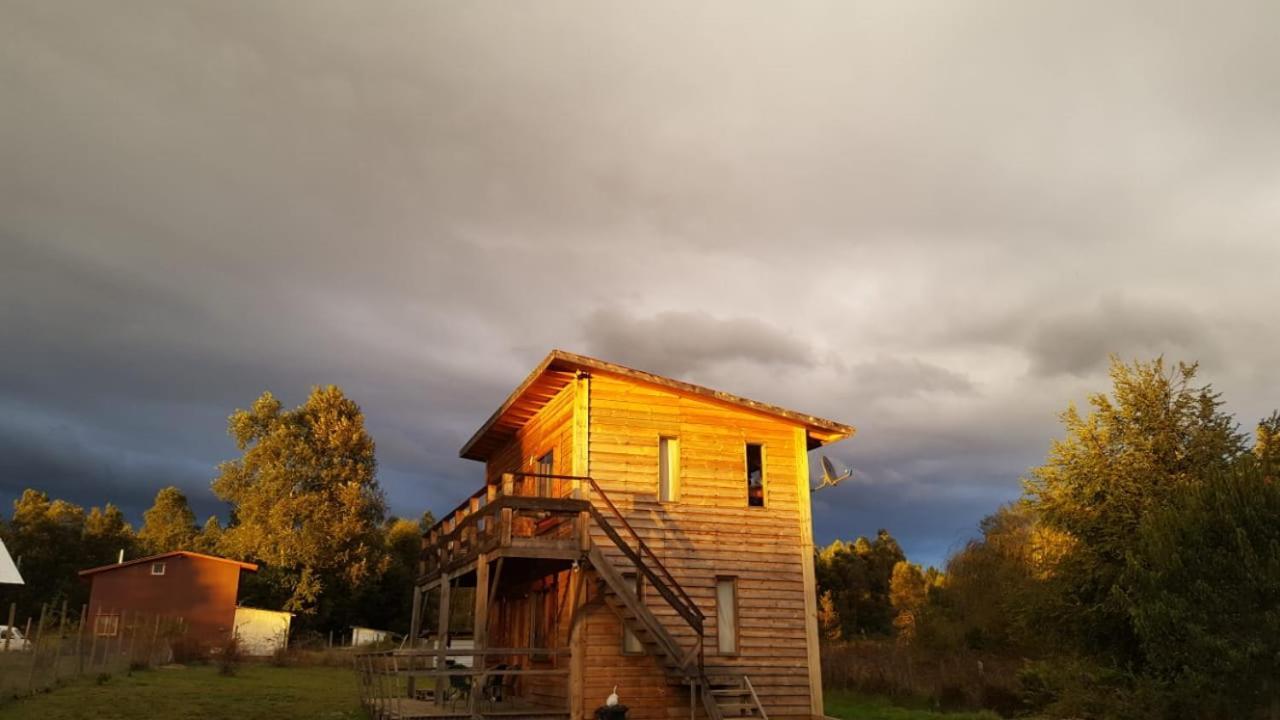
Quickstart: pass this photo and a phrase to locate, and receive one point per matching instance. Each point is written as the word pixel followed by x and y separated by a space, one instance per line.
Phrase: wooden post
pixel 577 646
pixel 35 647
pixel 508 484
pixel 62 632
pixel 415 623
pixel 480 621
pixel 93 639
pixel 13 610
pixel 442 636
pixel 84 614
pixel 155 636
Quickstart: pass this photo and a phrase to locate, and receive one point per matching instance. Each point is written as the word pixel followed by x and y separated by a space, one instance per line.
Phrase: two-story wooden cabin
pixel 633 531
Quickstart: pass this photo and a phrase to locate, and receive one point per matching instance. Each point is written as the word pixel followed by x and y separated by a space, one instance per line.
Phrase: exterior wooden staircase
pixel 723 693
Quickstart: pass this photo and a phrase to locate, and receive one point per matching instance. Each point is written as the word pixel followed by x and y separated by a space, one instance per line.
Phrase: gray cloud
pixel 679 342
pixel 931 220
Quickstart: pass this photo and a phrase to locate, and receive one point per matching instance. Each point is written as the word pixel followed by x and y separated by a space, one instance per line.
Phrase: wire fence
pixel 55 646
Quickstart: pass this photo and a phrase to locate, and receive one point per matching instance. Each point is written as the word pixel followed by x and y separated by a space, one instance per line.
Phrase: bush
pixel 229 657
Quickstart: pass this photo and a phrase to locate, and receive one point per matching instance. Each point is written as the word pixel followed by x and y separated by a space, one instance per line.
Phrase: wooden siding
pixel 709 532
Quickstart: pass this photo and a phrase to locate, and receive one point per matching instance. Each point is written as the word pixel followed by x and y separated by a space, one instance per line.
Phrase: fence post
pixel 13 610
pixel 62 635
pixel 133 641
pixel 93 639
pixel 84 613
pixel 155 635
pixel 35 649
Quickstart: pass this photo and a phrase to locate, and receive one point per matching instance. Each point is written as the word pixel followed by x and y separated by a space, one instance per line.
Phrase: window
pixel 755 475
pixel 668 469
pixel 157 568
pixel 546 466
pixel 106 625
pixel 727 615
pixel 631 644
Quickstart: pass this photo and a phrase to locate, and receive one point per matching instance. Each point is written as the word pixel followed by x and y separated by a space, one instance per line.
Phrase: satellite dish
pixel 830 478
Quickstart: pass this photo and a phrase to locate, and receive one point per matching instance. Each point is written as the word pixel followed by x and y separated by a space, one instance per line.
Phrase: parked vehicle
pixel 15 638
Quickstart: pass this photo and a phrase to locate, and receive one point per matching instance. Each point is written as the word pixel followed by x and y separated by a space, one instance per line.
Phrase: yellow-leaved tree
pixel 305 500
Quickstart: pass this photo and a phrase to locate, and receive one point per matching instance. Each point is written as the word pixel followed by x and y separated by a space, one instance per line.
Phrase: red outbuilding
pixel 199 589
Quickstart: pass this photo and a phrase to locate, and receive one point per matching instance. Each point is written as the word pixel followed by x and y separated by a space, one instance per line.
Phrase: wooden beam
pixel 577 647
pixel 807 572
pixel 442 637
pixel 480 625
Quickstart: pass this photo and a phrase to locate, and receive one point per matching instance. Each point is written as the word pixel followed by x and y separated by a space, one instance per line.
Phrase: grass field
pixel 853 706
pixel 256 692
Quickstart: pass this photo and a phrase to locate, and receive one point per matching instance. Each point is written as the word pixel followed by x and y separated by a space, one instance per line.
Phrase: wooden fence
pixel 58 644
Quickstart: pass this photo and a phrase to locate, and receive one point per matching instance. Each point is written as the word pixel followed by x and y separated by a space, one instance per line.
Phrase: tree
pixel 828 619
pixel 209 539
pixel 907 593
pixel 106 535
pixel 1205 578
pixel 46 538
pixel 1267 445
pixel 858 575
pixel 169 524
pixel 1156 435
pixel 304 496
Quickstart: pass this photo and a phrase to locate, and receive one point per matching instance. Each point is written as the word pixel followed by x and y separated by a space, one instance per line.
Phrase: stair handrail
pixel 689 611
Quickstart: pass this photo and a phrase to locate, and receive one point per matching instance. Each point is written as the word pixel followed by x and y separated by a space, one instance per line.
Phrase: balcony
pixel 523 516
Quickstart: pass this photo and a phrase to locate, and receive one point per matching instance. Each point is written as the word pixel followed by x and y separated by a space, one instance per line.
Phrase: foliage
pixel 1156 435
pixel 53 540
pixel 169 524
pixel 1205 577
pixel 857 575
pixel 305 498
pixel 828 619
pixel 908 591
pixel 847 705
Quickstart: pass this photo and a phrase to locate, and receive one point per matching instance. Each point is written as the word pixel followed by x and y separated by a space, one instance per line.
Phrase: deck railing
pixel 549 510
pixel 389 681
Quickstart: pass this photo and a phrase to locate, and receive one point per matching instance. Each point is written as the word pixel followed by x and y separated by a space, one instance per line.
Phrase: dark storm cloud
pixel 931 220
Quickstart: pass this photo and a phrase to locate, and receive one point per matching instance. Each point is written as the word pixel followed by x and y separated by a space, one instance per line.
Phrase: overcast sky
pixel 932 221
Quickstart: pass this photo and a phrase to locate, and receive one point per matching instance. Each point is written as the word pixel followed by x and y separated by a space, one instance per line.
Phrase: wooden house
pixel 632 531
pixel 196 588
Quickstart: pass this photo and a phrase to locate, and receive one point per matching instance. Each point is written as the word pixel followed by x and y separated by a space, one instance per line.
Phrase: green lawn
pixel 255 692
pixel 853 706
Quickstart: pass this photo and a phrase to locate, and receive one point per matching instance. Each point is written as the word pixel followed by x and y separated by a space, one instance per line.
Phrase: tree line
pixel 1138 574
pixel 304 503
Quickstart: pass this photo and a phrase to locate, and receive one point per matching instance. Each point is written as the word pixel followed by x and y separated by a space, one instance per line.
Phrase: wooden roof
pixel 559 368
pixel 151 558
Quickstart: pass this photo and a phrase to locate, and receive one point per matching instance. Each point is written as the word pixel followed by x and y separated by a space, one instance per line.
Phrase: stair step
pixel 731 692
pixel 737 708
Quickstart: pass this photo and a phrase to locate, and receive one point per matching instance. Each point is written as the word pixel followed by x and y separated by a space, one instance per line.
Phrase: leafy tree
pixel 304 498
pixel 46 538
pixel 169 524
pixel 1205 574
pixel 858 576
pixel 908 591
pixel 106 534
pixel 209 539
pixel 1155 436
pixel 1267 445
pixel 828 619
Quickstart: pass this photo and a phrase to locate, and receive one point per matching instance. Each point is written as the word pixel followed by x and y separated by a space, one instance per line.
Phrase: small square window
pixel 157 568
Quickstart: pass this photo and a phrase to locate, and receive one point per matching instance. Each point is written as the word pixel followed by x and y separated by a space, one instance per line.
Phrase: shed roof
pixel 176 553
pixel 8 571
pixel 559 368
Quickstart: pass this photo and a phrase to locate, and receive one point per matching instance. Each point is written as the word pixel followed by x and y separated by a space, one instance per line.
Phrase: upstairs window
pixel 668 469
pixel 157 568
pixel 755 475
